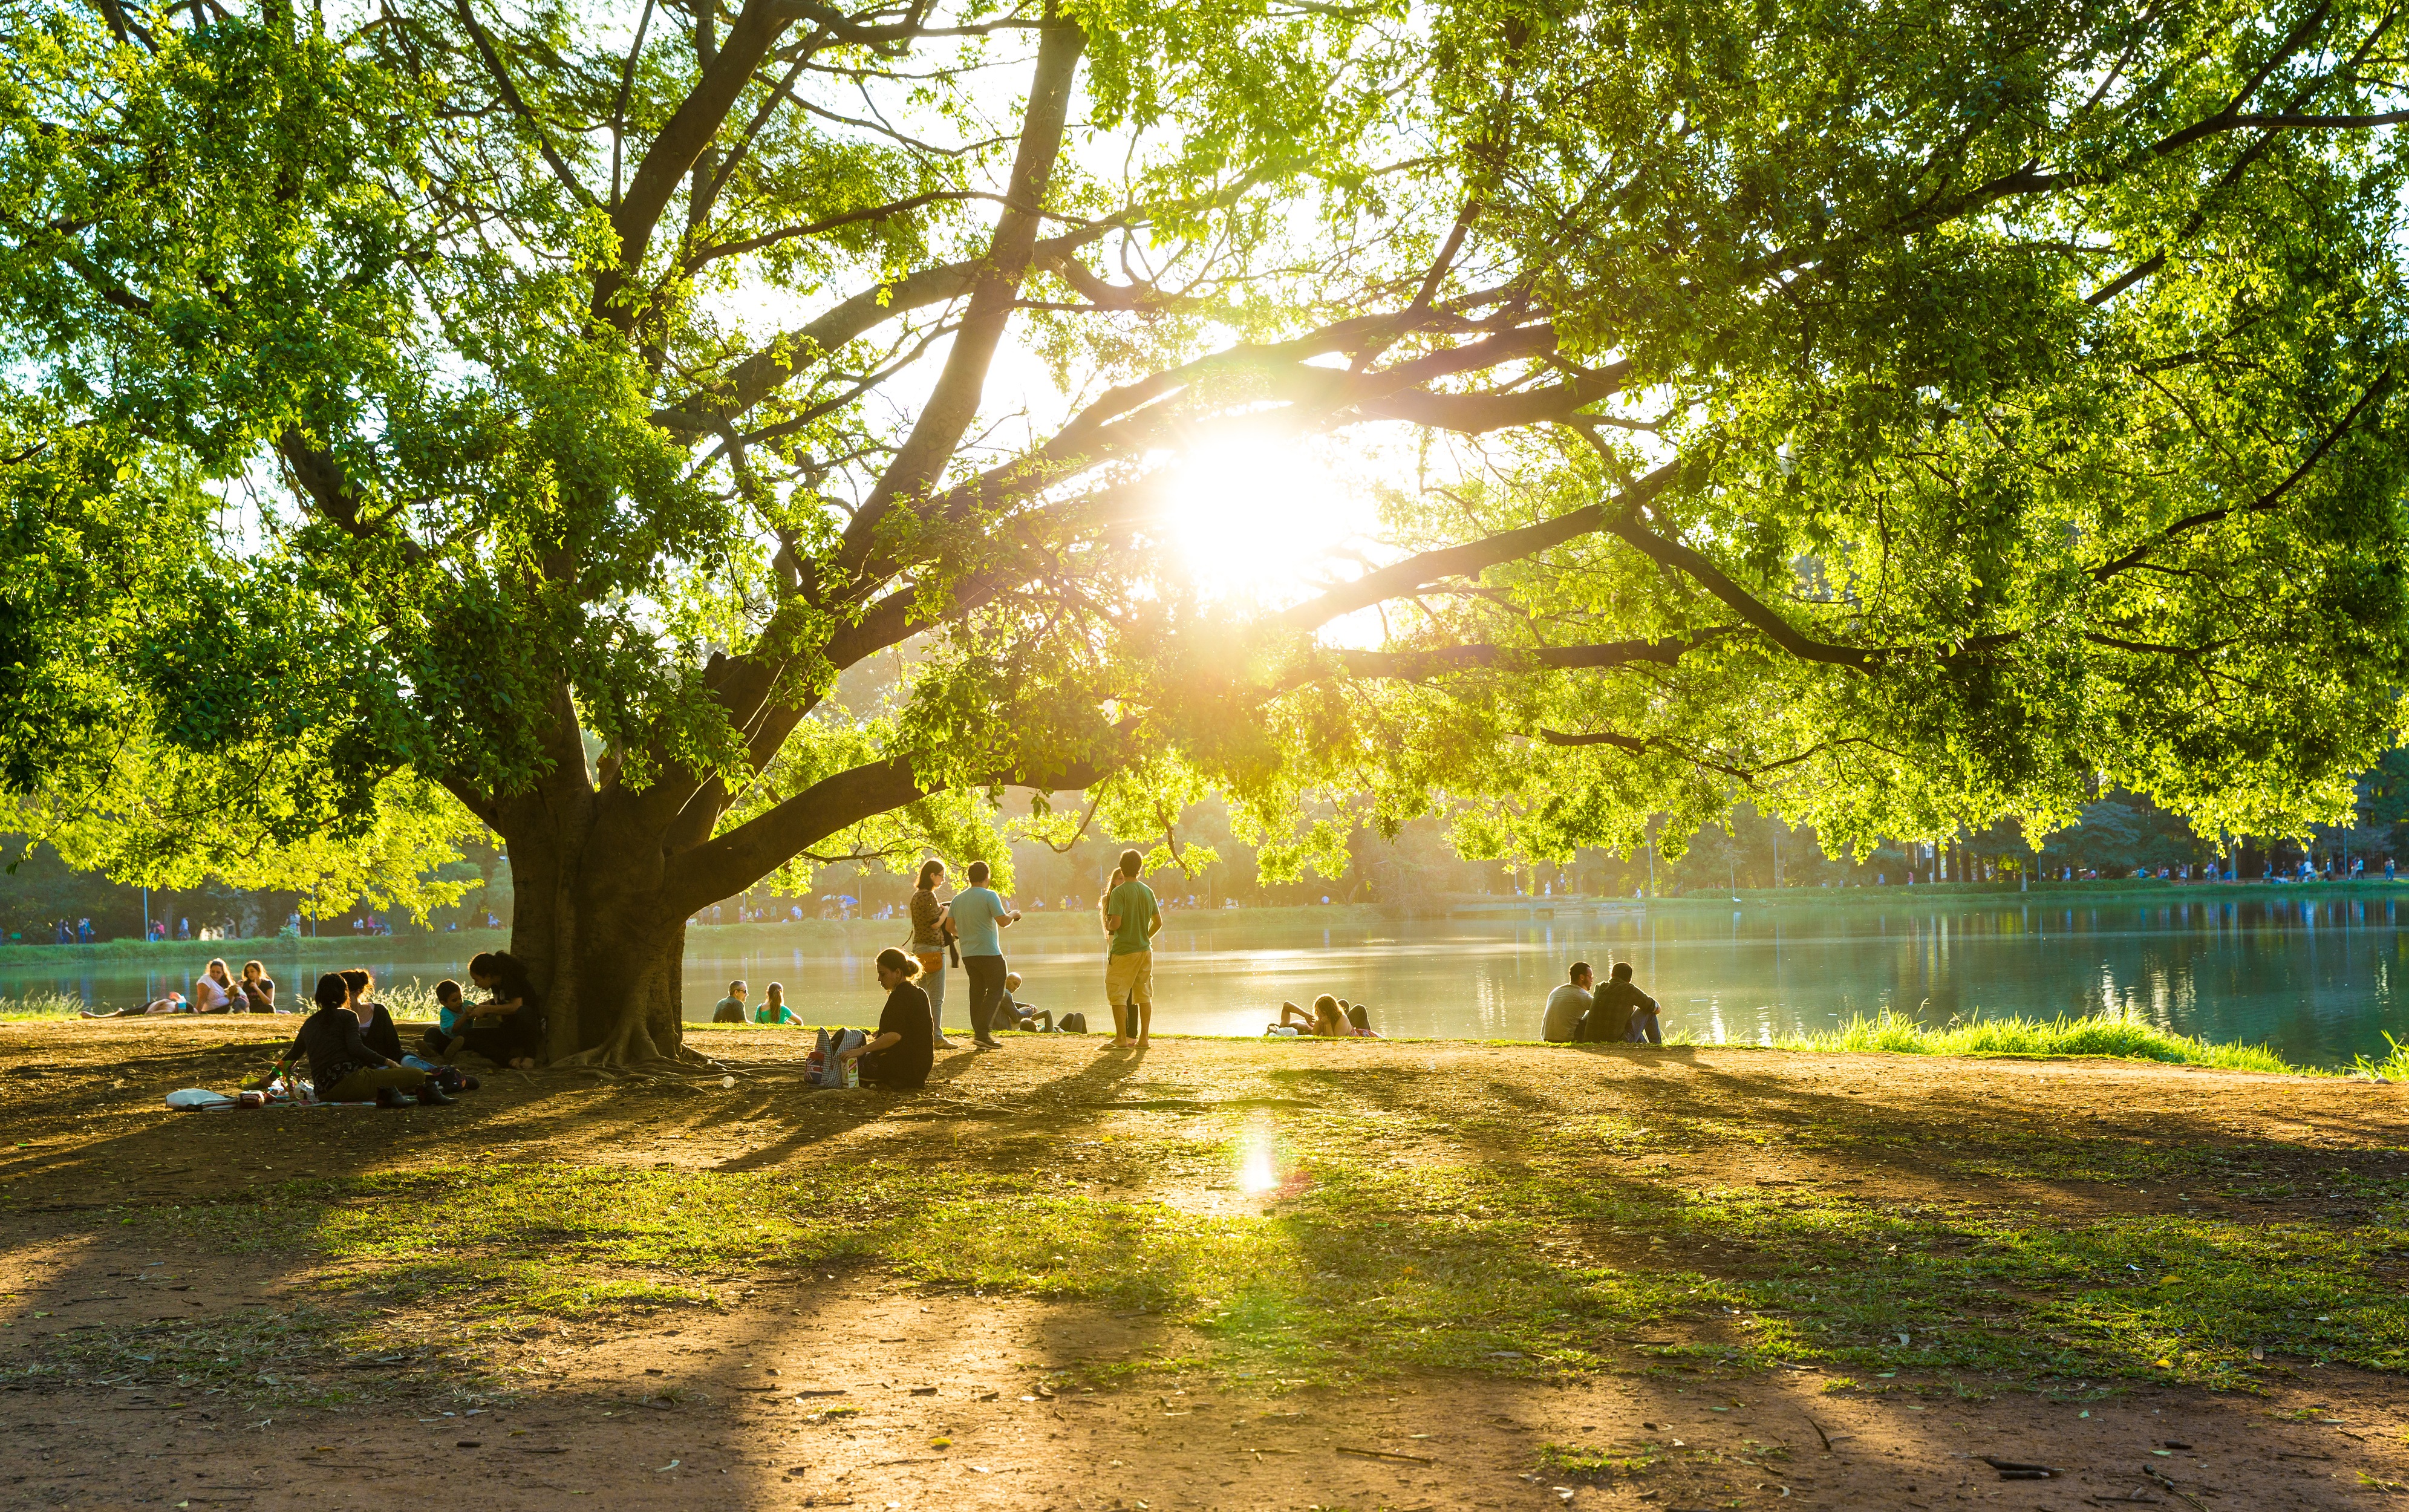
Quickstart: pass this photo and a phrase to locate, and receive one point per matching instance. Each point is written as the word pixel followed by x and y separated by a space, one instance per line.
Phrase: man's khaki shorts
pixel 1129 978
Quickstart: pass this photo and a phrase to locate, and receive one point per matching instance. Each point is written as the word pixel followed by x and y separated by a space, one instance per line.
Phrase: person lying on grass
pixel 343 1066
pixel 172 1003
pixel 1331 1018
pixel 901 1052
pixel 1011 1013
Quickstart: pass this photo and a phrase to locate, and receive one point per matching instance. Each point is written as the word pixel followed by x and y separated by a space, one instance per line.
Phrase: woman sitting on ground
pixel 898 1056
pixel 343 1066
pixel 172 1003
pixel 773 1008
pixel 213 990
pixel 376 1022
pixel 515 1040
pixel 258 988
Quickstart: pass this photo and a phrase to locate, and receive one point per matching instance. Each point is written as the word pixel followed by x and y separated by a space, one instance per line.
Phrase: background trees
pixel 1899 416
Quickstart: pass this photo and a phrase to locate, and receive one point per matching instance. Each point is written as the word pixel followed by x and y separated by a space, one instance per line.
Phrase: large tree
pixel 1907 413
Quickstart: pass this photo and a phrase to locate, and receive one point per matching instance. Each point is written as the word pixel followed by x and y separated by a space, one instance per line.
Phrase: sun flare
pixel 1261 518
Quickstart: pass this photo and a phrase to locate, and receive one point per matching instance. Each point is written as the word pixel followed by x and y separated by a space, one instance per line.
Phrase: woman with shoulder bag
pixel 932 931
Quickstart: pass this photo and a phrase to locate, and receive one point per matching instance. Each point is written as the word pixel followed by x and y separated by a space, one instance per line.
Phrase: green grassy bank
pixel 2119 1036
pixel 1499 1252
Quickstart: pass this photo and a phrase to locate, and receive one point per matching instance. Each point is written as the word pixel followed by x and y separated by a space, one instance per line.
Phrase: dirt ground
pixel 948 1394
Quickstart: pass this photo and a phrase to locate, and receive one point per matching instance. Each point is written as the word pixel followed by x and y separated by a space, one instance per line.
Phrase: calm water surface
pixel 2312 977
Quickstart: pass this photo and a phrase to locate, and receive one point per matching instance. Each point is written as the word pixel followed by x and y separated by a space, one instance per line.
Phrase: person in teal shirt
pixel 1131 917
pixel 773 1008
pixel 980 917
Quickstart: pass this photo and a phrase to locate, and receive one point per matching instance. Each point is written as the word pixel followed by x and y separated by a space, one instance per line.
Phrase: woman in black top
pixel 344 1065
pixel 515 1040
pixel 376 1022
pixel 901 1052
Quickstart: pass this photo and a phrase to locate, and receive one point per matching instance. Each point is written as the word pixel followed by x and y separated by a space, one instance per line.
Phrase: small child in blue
pixel 453 1019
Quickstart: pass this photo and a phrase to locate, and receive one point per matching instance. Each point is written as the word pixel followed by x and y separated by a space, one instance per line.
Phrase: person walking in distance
pixel 1131 917
pixel 929 927
pixel 980 917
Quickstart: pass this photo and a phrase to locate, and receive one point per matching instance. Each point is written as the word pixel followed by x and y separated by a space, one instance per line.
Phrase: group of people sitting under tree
pixel 354 1050
pixel 1616 1013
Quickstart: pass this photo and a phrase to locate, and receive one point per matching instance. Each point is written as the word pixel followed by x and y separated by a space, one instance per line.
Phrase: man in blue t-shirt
pixel 1131 917
pixel 980 917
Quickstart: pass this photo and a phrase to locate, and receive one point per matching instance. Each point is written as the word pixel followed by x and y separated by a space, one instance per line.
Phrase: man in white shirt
pixel 1567 1005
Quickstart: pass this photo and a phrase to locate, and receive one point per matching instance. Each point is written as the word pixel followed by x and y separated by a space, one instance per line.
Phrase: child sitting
pixel 454 1017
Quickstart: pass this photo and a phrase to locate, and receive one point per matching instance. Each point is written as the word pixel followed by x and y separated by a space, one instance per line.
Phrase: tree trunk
pixel 600 944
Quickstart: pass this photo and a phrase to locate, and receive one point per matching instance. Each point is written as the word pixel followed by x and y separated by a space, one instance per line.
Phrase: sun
pixel 1260 518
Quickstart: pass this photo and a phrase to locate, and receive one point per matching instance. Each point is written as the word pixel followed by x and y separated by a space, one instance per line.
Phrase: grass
pixel 2123 1035
pixel 1530 1263
pixel 2392 1068
pixel 40 1005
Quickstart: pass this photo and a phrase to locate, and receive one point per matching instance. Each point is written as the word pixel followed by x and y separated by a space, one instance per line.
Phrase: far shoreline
pixel 1458 908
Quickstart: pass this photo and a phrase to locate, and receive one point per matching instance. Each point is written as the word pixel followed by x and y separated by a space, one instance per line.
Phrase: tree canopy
pixel 1900 415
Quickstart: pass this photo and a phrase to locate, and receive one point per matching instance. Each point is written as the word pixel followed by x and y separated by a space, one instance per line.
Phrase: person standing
pixel 929 927
pixel 1131 917
pixel 1561 1023
pixel 980 917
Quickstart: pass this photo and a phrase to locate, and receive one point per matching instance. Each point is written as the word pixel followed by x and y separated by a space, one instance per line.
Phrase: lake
pixel 2311 975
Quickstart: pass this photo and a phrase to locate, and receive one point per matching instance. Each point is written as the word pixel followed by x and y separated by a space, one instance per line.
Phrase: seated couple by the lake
pixel 1333 1018
pixel 1616 1013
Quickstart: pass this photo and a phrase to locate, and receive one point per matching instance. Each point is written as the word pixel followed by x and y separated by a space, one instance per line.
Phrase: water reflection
pixel 2310 976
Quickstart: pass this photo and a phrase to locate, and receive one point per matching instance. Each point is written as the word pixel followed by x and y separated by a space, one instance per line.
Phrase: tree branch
pixel 953 402
pixel 2268 500
pixel 1472 558
pixel 731 862
pixel 682 139
pixel 1434 661
pixel 510 96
